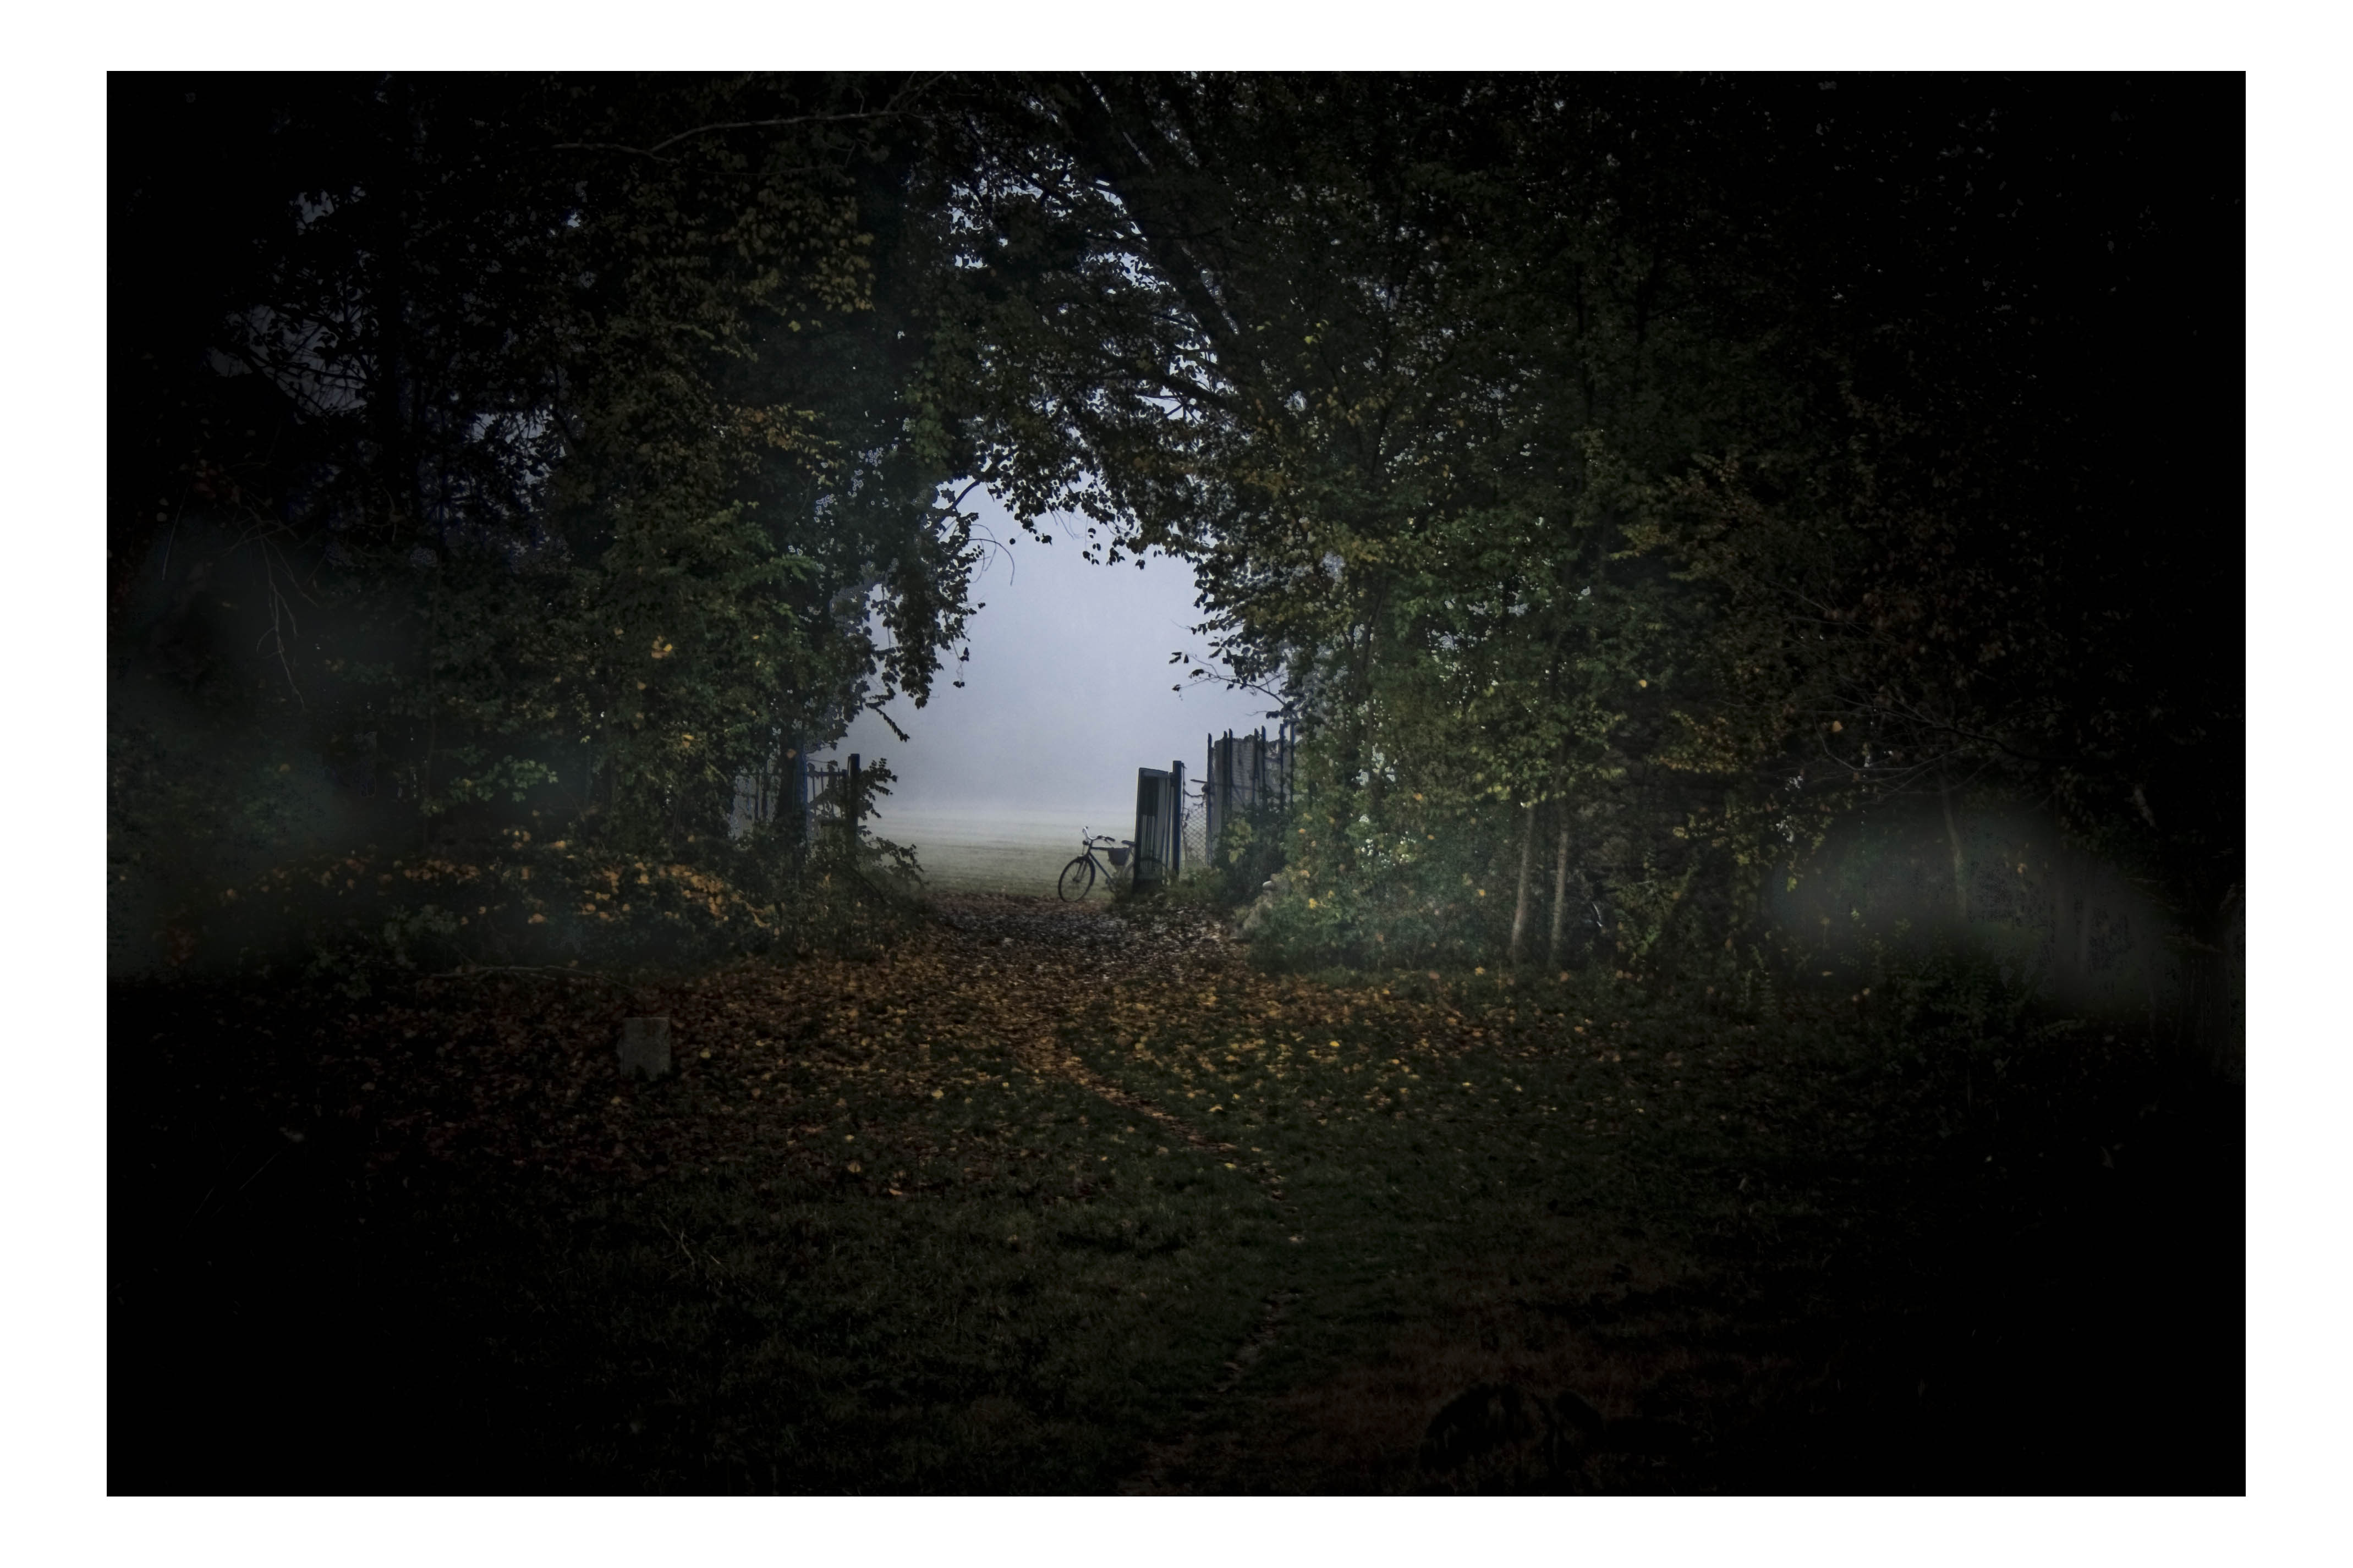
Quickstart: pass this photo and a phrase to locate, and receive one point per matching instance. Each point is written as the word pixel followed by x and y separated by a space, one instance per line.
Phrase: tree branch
pixel 655 150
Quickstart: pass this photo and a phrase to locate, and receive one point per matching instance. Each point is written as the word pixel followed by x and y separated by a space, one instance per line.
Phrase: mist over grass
pixel 1066 691
pixel 1004 850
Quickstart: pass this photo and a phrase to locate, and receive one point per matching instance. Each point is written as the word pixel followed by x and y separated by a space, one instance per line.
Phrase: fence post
pixel 1176 819
pixel 1151 828
pixel 1209 793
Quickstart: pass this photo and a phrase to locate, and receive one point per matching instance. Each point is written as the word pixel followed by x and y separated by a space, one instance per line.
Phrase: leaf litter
pixel 1590 1192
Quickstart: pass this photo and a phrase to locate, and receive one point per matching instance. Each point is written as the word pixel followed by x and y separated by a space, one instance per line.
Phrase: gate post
pixel 1175 819
pixel 1151 828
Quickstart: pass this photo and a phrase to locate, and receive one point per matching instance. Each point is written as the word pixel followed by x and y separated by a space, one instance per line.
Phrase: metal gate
pixel 828 790
pixel 1159 825
pixel 1246 773
pixel 817 792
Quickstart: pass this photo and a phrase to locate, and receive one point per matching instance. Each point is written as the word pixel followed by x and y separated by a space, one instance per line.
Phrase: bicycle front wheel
pixel 1078 877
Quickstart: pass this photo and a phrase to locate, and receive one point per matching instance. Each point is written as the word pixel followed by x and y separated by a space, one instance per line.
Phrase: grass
pixel 1055 1200
pixel 992 852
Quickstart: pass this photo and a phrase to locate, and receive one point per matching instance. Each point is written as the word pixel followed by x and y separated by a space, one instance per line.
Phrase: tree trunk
pixel 1559 896
pixel 2088 872
pixel 1520 908
pixel 2063 914
pixel 1960 869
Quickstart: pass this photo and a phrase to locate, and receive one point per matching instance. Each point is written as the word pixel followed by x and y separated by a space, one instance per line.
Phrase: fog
pixel 1065 696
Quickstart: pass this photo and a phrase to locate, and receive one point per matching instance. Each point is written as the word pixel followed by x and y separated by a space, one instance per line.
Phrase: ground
pixel 1044 1198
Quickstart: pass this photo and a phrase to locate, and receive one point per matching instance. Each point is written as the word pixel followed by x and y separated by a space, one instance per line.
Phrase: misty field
pixel 993 850
pixel 1060 1199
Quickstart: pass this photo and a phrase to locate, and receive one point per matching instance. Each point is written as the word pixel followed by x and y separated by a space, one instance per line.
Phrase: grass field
pixel 1058 1199
pixel 1021 853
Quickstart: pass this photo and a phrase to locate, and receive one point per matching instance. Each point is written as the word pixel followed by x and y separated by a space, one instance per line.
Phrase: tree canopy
pixel 1622 478
pixel 1699 459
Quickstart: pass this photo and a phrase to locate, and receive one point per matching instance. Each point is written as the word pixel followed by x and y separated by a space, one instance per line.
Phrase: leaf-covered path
pixel 996 994
pixel 1045 1197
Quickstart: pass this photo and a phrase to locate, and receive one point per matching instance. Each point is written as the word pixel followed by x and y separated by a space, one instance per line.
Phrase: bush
pixel 1249 851
pixel 358 919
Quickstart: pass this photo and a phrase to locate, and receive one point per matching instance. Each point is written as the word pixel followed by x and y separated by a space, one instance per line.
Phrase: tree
pixel 517 408
pixel 1979 563
pixel 1386 320
pixel 1656 469
pixel 1848 405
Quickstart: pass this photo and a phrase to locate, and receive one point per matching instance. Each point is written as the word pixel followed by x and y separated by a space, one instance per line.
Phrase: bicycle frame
pixel 1078 878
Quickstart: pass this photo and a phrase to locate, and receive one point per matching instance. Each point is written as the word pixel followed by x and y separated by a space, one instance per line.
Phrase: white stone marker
pixel 645 1047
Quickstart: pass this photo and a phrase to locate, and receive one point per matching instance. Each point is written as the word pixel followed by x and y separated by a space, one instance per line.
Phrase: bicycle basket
pixel 1118 857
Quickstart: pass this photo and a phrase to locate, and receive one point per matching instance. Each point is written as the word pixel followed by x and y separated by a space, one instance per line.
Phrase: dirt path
pixel 826 1071
pixel 1164 950
pixel 520 1071
pixel 1499 1239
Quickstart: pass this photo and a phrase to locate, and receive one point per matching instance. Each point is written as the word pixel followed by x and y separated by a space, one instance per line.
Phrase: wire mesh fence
pixel 1195 831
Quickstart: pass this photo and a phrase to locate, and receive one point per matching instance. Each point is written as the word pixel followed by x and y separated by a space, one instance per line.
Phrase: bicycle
pixel 1079 877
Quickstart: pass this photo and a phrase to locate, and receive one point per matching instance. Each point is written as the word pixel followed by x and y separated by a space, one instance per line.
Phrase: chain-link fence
pixel 1196 831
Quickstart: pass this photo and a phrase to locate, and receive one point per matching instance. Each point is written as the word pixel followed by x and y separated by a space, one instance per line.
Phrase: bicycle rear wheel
pixel 1078 877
